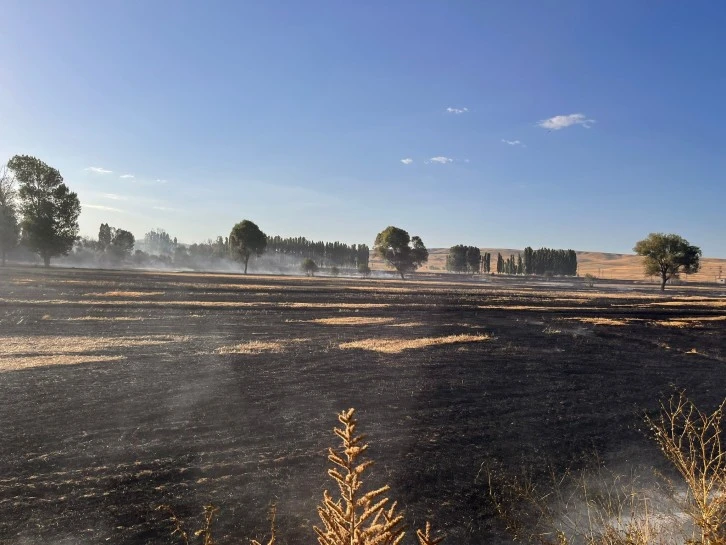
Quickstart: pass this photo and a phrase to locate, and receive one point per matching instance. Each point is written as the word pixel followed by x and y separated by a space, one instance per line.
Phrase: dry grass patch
pixel 408 324
pixel 252 347
pixel 602 321
pixel 259 347
pixel 395 346
pixel 124 294
pixel 105 319
pixel 353 320
pixel 23 352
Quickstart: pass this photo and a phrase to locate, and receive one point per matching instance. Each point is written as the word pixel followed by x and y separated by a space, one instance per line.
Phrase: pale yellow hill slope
pixel 600 264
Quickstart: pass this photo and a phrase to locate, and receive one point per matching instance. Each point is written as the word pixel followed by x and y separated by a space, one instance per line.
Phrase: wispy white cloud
pixel 166 209
pixel 160 181
pixel 563 121
pixel 513 142
pixel 407 161
pixel 98 170
pixel 114 197
pixel 441 160
pixel 127 176
pixel 457 111
pixel 101 207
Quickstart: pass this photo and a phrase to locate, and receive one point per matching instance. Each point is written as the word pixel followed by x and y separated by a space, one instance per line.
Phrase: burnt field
pixel 121 391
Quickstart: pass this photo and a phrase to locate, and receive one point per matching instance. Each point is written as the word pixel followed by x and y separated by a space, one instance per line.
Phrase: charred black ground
pixel 87 450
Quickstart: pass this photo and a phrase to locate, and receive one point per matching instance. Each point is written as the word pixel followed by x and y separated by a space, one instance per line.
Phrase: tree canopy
pixel 246 240
pixel 48 208
pixel 667 256
pixel 400 251
pixel 464 259
pixel 9 227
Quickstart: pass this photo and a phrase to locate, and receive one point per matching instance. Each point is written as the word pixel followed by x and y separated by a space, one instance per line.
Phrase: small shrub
pixel 589 280
pixel 335 271
pixel 309 267
pixel 364 270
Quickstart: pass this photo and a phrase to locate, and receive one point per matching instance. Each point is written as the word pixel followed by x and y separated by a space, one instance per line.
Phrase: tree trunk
pixel 663 281
pixel 402 277
pixel 246 261
pixel 46 261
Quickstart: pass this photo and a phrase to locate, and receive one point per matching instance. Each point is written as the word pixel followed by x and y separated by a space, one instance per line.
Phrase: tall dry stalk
pixel 693 441
pixel 356 517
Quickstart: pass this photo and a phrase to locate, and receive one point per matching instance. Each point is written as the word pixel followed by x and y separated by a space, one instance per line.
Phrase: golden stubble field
pixel 120 391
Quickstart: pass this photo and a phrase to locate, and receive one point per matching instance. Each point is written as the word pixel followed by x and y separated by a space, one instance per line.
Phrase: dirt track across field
pixel 120 391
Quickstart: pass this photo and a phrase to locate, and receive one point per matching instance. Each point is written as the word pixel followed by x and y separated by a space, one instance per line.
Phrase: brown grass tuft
pixel 395 346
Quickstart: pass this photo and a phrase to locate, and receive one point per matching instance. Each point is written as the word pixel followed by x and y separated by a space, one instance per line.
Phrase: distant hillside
pixel 601 264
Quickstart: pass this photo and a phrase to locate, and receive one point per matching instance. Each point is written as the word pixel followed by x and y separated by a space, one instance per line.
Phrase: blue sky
pixel 583 125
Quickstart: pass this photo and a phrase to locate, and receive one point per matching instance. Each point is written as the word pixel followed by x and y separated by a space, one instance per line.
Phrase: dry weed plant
pixel 608 509
pixel 352 517
pixel 693 441
pixel 578 508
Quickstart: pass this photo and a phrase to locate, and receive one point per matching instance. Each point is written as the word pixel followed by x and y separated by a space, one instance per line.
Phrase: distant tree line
pixel 324 254
pixel 548 261
pixel 470 260
pixel 39 215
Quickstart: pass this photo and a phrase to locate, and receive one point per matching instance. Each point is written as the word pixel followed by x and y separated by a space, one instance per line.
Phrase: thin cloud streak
pixel 98 170
pixel 559 122
pixel 104 208
pixel 407 161
pixel 457 111
pixel 127 176
pixel 440 160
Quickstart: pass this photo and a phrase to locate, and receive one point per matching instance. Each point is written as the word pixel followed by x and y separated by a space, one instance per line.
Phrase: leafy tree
pixel 309 267
pixel 159 242
pixel 668 256
pixel 49 209
pixel 456 260
pixel 104 237
pixel 122 244
pixel 245 240
pixel 520 264
pixel 400 251
pixel 463 259
pixel 9 228
pixel 500 263
pixel 364 270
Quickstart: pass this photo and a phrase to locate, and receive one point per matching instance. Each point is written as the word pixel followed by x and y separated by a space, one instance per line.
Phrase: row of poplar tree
pixel 545 261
